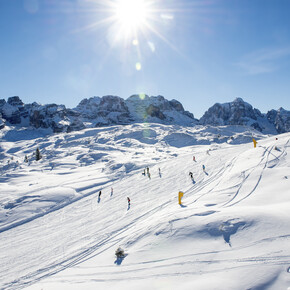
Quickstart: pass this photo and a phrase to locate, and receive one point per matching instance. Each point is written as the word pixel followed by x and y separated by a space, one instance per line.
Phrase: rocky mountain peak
pixel 110 110
pixel 280 118
pixel 158 109
pixel 15 101
pixel 104 111
pixel 232 113
pixel 239 100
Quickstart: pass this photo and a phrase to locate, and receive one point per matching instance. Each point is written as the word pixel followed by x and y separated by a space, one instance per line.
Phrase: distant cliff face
pixel 111 110
pixel 137 108
pixel 12 110
pixel 56 117
pixel 96 111
pixel 107 110
pixel 158 109
pixel 280 119
pixel 51 116
pixel 239 112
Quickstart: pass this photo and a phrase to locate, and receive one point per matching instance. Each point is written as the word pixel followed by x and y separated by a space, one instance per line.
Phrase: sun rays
pixel 132 23
pixel 134 30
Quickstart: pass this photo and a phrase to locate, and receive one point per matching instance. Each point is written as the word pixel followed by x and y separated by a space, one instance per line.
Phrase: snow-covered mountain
pixel 95 112
pixel 107 110
pixel 113 110
pixel 281 120
pixel 159 110
pixel 230 232
pixel 110 110
pixel 239 112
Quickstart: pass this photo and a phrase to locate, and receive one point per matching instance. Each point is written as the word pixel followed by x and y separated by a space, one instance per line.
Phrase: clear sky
pixel 196 51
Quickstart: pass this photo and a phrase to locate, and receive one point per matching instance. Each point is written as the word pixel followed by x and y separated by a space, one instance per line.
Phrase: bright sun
pixel 131 15
pixel 133 25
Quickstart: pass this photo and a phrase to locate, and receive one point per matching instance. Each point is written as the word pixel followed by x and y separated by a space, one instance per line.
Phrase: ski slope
pixel 231 231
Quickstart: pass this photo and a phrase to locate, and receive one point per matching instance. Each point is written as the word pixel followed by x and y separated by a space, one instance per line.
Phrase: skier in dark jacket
pixel 100 192
pixel 128 201
pixel 191 175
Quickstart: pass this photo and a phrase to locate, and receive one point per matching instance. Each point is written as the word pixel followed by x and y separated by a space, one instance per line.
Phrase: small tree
pixel 37 154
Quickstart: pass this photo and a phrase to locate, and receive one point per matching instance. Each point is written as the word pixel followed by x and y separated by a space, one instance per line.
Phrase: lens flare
pixel 146 133
pixel 138 66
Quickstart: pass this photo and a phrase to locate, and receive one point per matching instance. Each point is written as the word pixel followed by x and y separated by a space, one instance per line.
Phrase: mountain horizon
pixel 109 110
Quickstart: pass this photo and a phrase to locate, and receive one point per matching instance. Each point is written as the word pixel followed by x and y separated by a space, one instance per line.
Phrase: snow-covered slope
pixel 231 231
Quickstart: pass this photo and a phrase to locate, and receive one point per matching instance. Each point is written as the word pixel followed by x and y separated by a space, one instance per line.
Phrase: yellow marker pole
pixel 180 195
pixel 255 143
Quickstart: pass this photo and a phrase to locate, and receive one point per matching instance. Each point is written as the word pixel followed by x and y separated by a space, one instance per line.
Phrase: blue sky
pixel 198 52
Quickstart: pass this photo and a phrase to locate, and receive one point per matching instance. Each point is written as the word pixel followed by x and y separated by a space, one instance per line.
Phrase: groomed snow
pixel 231 231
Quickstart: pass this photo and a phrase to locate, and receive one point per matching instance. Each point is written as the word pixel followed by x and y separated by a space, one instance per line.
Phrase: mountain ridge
pixel 113 110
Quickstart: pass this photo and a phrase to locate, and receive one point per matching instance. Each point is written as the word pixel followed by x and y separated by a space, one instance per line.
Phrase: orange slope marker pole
pixel 255 143
pixel 180 195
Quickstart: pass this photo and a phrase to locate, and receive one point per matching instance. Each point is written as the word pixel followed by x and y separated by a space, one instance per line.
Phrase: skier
pixel 159 170
pixel 128 201
pixel 100 192
pixel 147 170
pixel 193 158
pixel 203 167
pixel 144 173
pixel 111 191
pixel 149 175
pixel 191 175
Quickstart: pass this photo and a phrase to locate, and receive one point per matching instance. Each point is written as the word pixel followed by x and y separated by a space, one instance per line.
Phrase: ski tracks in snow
pixel 264 163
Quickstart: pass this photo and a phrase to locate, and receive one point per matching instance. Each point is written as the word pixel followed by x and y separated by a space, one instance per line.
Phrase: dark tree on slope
pixel 37 154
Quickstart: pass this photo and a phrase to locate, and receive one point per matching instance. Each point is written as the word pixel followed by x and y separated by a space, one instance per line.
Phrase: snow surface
pixel 231 231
